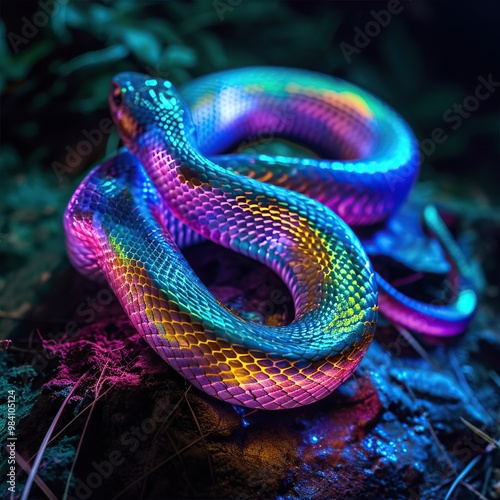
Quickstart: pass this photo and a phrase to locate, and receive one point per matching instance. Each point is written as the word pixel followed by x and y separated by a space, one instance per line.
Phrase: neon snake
pixel 176 183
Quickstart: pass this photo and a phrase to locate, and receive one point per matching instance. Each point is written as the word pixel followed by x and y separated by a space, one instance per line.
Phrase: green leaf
pixel 211 50
pixel 21 65
pixel 143 45
pixel 95 58
pixel 180 55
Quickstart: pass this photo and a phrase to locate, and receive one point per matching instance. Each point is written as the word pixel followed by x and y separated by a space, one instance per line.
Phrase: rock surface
pixel 391 431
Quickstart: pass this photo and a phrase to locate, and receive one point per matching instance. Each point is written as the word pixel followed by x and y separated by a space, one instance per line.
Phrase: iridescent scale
pixel 175 184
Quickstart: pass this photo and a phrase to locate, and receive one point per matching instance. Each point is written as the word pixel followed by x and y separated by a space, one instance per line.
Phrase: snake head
pixel 148 111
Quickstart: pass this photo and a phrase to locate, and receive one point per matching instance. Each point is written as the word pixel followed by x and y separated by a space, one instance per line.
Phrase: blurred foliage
pixel 65 69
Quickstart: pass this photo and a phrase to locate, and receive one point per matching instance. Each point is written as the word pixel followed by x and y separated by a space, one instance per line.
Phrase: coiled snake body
pixel 175 184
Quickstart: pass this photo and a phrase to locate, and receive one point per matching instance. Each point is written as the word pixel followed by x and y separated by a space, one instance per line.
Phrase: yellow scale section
pixel 205 359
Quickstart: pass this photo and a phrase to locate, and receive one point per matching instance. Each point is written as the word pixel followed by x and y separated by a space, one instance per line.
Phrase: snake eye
pixel 117 96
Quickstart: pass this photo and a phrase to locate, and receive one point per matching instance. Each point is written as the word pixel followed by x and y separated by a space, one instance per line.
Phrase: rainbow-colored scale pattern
pixel 175 184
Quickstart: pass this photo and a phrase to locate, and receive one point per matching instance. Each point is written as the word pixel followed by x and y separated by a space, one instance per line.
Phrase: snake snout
pixel 152 108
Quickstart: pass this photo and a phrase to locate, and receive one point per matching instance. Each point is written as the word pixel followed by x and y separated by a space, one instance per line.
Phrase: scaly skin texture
pixel 173 185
